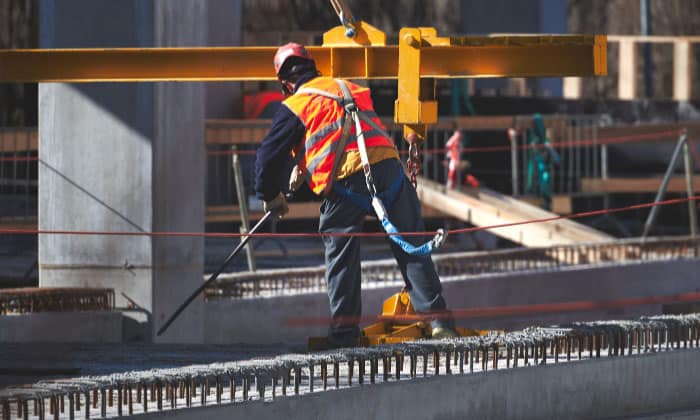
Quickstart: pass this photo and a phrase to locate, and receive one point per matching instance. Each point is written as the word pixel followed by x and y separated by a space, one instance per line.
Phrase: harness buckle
pixel 350 107
pixel 439 238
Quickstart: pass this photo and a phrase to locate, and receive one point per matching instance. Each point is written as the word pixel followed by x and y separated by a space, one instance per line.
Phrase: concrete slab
pixel 62 327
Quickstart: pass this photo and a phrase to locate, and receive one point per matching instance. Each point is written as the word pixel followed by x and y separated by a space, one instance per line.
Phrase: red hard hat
pixel 290 50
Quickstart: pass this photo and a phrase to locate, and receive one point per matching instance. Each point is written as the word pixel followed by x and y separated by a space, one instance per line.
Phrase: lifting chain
pixel 413 163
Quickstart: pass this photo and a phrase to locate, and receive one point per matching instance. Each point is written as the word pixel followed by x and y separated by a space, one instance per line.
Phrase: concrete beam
pixel 626 387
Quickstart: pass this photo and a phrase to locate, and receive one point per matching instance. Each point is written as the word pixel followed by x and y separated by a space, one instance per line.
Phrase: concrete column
pixel 224 99
pixel 124 157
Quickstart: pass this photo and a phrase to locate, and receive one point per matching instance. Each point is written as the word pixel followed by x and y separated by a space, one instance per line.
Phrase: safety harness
pixel 376 200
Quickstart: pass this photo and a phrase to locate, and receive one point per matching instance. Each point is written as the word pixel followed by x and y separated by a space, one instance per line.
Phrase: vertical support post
pixel 513 137
pixel 664 185
pixel 689 171
pixel 627 77
pixel 682 70
pixel 573 87
pixel 243 206
pixel 415 106
pixel 645 21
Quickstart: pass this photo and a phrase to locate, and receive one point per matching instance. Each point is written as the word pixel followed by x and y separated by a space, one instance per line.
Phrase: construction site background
pixel 289 18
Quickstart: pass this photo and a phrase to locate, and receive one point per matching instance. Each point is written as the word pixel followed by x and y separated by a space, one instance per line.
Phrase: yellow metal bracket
pixel 416 105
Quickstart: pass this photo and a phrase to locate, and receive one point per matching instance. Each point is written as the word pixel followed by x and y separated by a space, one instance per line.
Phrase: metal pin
pixel 103 402
pixel 144 398
pixel 425 365
pixel 159 391
pixel 87 404
pixel 244 385
pixel 311 377
pixel 448 368
pixel 461 361
pixel 361 371
pixel 260 387
pixel 297 380
pixel 285 382
pixel 71 407
pixel 203 392
pixel 385 369
pixel 274 387
pixel 218 389
pixel 336 374
pixel 399 363
pixel 324 374
pixel 436 362
pixel 351 367
pixel 120 397
pixel 131 402
pixel 372 369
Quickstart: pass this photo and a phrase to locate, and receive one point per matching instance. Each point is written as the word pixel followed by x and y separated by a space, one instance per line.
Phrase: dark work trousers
pixel 343 253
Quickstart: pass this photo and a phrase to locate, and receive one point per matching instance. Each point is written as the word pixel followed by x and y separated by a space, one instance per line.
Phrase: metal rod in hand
pixel 664 185
pixel 244 241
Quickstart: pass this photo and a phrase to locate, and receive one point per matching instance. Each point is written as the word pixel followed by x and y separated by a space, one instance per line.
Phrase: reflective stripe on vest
pixel 323 118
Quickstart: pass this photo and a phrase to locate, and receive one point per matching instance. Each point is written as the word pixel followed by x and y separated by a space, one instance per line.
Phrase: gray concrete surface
pixel 62 327
pixel 27 363
pixel 264 320
pixel 626 387
pixel 124 157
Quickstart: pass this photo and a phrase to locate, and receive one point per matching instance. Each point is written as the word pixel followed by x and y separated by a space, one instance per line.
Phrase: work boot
pixel 440 333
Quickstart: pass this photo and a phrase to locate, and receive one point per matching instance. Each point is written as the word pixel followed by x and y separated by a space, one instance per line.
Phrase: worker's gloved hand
pixel 277 205
pixel 296 178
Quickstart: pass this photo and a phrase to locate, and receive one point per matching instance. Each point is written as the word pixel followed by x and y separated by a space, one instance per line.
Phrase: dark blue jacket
pixel 273 157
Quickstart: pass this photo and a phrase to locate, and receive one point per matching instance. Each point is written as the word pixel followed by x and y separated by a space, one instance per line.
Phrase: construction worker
pixel 311 126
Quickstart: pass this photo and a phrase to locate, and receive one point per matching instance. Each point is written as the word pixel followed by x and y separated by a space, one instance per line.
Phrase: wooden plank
pixel 18 140
pixel 635 185
pixel 682 71
pixel 561 204
pixel 627 67
pixel 487 208
pixel 22 223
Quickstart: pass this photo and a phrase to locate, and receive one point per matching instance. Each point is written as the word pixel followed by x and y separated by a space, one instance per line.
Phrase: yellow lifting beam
pixel 419 58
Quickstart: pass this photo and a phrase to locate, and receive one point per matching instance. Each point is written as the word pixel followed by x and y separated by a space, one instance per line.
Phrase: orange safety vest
pixel 323 118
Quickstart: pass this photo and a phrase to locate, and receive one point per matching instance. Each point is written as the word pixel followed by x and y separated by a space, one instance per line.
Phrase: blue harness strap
pixel 385 200
pixel 364 201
